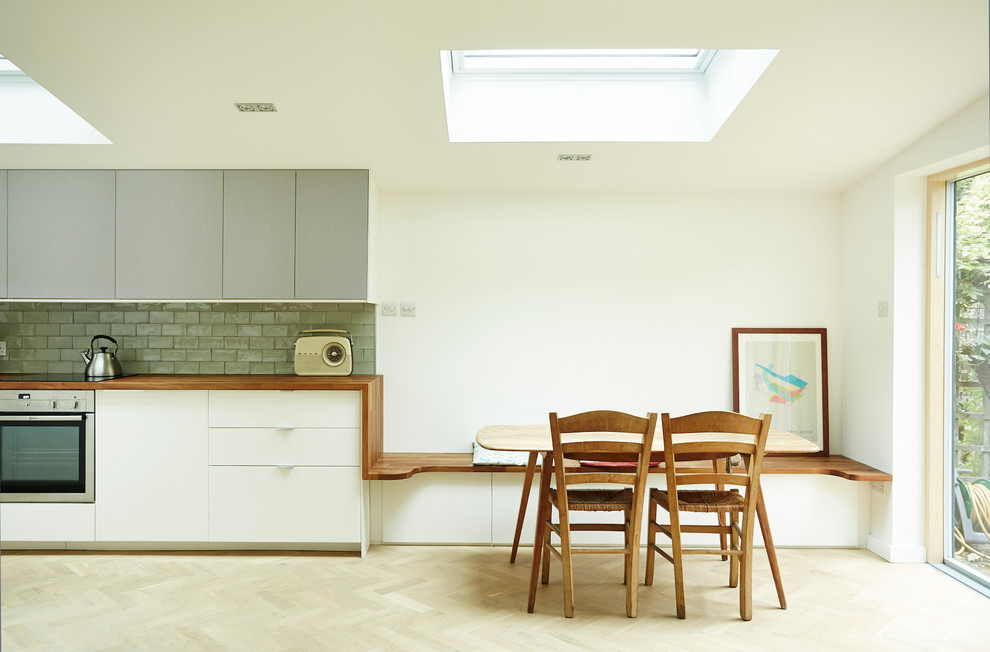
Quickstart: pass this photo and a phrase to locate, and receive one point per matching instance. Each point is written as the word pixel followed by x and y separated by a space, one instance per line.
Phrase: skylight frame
pixel 573 62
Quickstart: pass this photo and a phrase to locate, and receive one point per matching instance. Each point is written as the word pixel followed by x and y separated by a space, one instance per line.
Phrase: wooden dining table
pixel 535 440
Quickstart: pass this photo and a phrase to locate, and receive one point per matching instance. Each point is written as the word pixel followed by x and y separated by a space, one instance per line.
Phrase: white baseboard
pixel 896 554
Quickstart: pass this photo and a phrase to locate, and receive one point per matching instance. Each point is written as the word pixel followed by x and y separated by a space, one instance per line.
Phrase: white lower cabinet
pixel 223 468
pixel 285 467
pixel 271 504
pixel 46 522
pixel 151 466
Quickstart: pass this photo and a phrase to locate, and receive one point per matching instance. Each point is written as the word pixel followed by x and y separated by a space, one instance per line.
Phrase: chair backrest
pixel 714 435
pixel 602 435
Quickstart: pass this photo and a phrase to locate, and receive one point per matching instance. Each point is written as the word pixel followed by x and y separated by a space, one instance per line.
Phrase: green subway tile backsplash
pixel 177 338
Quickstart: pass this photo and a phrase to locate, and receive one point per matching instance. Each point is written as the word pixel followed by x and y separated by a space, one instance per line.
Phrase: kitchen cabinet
pixel 186 234
pixel 3 233
pixel 60 234
pixel 169 234
pixel 332 234
pixel 285 467
pixel 259 234
pixel 151 466
pixel 43 523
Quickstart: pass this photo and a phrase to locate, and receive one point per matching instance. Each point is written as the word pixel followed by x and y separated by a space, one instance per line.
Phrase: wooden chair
pixel 592 436
pixel 710 435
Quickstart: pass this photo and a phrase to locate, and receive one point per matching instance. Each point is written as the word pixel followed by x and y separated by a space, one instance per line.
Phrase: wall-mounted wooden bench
pixel 398 466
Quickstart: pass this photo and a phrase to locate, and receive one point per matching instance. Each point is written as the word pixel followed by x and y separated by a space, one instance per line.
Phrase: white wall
pixel 884 258
pixel 533 303
pixel 529 303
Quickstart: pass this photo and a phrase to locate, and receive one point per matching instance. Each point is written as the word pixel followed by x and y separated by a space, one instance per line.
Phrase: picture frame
pixel 783 372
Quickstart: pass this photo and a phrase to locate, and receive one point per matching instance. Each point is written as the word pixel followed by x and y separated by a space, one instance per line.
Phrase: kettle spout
pixel 85 356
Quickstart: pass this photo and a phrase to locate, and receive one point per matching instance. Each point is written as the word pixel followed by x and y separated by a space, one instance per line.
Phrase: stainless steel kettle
pixel 104 363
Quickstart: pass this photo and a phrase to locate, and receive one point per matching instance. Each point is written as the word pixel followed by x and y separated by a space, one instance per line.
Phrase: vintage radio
pixel 323 352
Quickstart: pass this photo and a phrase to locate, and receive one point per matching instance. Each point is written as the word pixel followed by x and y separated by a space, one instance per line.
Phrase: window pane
pixel 970 202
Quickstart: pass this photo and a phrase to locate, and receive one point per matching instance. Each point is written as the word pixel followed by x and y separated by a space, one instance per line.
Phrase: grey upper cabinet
pixel 60 234
pixel 169 234
pixel 332 234
pixel 3 233
pixel 259 234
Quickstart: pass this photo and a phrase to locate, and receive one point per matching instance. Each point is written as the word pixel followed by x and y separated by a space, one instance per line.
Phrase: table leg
pixel 523 502
pixel 541 516
pixel 761 514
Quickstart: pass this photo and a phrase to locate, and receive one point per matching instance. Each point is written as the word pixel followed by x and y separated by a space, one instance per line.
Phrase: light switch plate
pixel 3 349
pixel 408 308
pixel 390 308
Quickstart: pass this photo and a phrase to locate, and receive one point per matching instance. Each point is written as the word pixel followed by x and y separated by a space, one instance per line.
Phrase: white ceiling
pixel 357 85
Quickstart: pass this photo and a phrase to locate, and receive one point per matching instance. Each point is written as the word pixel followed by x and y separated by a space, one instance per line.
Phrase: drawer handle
pixel 285 466
pixel 285 427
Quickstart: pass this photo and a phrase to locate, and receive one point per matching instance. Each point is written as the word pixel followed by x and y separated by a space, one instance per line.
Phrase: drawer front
pixel 271 505
pixel 281 446
pixel 47 522
pixel 285 409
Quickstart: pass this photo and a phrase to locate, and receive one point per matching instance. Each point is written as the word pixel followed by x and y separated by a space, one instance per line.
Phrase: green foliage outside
pixel 972 311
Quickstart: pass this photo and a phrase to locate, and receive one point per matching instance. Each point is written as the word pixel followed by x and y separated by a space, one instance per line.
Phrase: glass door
pixel 968 415
pixel 45 458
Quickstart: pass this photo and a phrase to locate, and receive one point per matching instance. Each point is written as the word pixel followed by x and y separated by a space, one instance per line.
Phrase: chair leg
pixel 734 519
pixel 632 565
pixel 651 542
pixel 678 555
pixel 719 487
pixel 626 535
pixel 746 581
pixel 566 570
pixel 547 533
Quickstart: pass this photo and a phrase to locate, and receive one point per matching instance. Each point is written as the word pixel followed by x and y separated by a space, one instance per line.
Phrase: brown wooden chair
pixel 710 435
pixel 601 436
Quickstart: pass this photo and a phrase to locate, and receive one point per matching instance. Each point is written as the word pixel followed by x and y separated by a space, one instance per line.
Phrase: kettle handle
pixel 323 330
pixel 103 337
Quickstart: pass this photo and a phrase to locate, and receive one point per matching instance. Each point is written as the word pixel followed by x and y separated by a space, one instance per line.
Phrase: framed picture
pixel 783 372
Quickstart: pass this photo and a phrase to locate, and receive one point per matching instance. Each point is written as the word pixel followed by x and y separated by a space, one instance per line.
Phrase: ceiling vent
pixel 255 107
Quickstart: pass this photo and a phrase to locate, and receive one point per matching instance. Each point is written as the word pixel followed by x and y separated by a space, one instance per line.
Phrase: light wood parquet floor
pixel 469 598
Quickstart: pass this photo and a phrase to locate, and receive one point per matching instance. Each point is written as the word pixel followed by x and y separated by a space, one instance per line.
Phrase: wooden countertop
pixel 210 381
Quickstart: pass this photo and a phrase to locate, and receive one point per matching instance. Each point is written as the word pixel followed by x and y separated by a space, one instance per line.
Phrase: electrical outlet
pixel 882 488
pixel 3 349
pixel 882 309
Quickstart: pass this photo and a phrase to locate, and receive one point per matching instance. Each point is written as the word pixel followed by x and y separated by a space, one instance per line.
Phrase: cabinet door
pixel 3 233
pixel 60 228
pixel 286 505
pixel 151 466
pixel 169 234
pixel 251 408
pixel 259 235
pixel 332 234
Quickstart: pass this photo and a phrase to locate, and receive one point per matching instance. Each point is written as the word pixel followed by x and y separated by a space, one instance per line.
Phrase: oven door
pixel 47 458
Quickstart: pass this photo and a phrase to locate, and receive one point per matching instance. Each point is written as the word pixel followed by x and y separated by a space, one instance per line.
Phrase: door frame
pixel 938 391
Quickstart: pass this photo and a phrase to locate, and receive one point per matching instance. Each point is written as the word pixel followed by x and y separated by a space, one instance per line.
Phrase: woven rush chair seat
pixel 597 500
pixel 705 501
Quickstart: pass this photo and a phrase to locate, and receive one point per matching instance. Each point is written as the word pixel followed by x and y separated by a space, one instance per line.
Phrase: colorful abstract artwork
pixel 779 388
pixel 783 373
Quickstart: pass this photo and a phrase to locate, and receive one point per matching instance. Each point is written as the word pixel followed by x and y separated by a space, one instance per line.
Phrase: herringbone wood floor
pixel 469 598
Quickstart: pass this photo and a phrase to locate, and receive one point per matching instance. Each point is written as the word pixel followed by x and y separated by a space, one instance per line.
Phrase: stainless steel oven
pixel 47 446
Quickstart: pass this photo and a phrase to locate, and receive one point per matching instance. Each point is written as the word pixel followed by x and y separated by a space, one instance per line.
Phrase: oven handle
pixel 40 417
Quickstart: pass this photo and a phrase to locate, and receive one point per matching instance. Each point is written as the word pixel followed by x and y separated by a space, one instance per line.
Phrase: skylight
pixel 657 95
pixel 30 114
pixel 581 61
